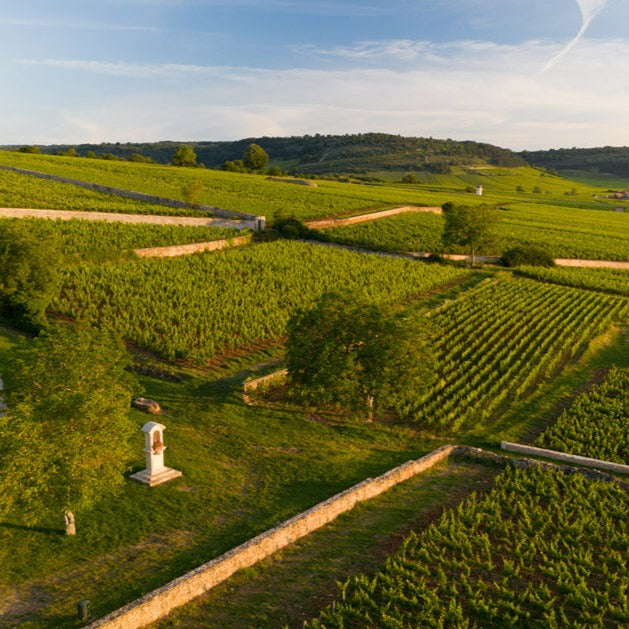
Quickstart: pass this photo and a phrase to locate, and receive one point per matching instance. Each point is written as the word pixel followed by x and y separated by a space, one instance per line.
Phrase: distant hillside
pixel 606 160
pixel 323 154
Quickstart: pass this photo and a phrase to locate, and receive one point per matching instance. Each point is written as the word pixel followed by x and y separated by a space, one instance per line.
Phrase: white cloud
pixel 463 90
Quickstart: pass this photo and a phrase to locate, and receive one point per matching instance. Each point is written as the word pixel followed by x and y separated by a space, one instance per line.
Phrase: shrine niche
pixel 156 472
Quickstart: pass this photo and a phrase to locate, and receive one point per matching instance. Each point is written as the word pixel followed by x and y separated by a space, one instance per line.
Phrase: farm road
pixel 112 217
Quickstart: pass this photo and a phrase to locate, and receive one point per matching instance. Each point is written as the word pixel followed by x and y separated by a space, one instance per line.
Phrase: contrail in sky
pixel 589 10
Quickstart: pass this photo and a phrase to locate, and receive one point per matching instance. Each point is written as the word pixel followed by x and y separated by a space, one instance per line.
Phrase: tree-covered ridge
pixel 608 159
pixel 350 153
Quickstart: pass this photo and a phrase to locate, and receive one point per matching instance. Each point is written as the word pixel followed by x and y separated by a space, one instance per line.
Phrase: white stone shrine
pixel 156 472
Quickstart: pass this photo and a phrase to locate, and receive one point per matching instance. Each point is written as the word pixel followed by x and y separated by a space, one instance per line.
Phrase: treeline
pixel 317 154
pixel 608 159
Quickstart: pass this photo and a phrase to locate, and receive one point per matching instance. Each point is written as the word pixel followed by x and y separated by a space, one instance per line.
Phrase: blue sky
pixel 534 74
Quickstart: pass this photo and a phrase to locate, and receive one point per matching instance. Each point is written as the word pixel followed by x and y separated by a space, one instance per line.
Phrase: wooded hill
pixel 605 160
pixel 323 154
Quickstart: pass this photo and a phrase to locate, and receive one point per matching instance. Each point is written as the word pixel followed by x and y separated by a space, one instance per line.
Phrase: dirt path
pixel 372 216
pixel 112 217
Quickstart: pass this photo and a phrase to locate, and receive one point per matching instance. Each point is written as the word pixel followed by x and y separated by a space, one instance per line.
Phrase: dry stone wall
pixel 618 468
pixel 196 247
pixel 160 602
pixel 258 222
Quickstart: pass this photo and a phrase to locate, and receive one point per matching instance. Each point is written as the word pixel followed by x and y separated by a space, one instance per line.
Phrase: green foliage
pixel 608 159
pixel 255 157
pixel 65 436
pixel 471 227
pixel 29 274
pixel 350 353
pixel 184 156
pixel 22 191
pixel 597 423
pixel 527 255
pixel 213 302
pixel 29 149
pixel 96 242
pixel 504 337
pixel 192 192
pixel 567 232
pixel 542 549
pixel 605 280
pixel 293 229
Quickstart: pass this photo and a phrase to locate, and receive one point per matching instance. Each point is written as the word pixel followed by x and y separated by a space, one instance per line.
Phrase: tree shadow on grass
pixel 32 529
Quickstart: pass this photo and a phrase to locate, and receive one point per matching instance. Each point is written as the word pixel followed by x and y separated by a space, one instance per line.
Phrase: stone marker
pixel 145 404
pixel 155 473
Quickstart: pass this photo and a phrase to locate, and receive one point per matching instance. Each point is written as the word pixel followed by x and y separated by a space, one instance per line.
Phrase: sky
pixel 521 74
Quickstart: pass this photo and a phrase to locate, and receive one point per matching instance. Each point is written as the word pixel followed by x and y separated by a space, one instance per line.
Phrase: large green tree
pixel 352 354
pixel 184 155
pixel 64 441
pixel 29 273
pixel 255 157
pixel 470 227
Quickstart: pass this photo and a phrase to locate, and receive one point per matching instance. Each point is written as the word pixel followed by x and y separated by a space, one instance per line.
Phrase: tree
pixel 184 156
pixel 255 157
pixel 192 192
pixel 29 273
pixel 471 227
pixel 350 353
pixel 530 255
pixel 64 442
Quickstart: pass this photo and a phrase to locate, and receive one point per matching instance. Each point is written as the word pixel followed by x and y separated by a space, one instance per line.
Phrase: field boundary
pixel 161 601
pixel 119 217
pixel 172 251
pixel 372 216
pixel 563 456
pixel 257 222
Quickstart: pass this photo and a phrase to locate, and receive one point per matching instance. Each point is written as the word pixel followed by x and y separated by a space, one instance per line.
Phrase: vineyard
pixel 22 191
pixel 615 281
pixel 204 304
pixel 565 232
pixel 543 549
pixel 502 338
pixel 597 423
pixel 256 195
pixel 231 191
pixel 98 241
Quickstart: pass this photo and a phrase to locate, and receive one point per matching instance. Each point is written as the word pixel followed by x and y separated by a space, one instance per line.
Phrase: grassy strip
pixel 245 470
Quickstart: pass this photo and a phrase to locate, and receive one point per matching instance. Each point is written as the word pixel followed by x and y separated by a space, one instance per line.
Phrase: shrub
pixel 529 255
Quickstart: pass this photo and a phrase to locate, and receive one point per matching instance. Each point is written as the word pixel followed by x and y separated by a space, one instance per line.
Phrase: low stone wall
pixel 195 247
pixel 618 468
pixel 160 602
pixel 373 216
pixel 257 222
pixel 252 385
